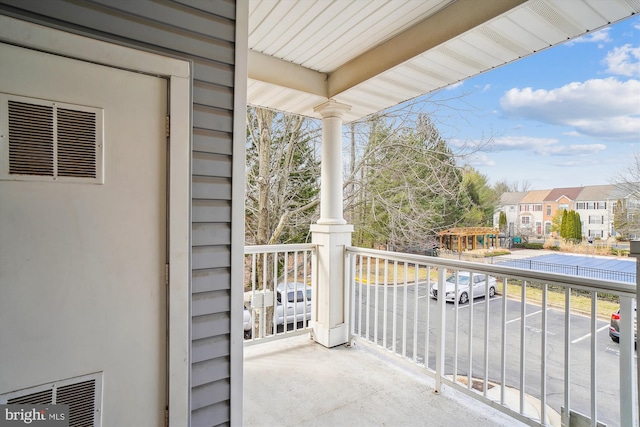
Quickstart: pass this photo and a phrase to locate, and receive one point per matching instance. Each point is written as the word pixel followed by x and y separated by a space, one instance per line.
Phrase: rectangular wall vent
pixel 82 394
pixel 50 141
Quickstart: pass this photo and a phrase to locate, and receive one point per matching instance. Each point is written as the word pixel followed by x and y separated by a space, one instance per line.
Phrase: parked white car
pixel 295 301
pixel 248 322
pixel 464 291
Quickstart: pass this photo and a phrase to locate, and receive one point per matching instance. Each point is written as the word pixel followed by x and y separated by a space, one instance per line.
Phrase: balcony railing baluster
pixel 370 273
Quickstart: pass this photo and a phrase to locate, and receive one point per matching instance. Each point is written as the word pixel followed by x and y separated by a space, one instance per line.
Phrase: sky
pixel 568 116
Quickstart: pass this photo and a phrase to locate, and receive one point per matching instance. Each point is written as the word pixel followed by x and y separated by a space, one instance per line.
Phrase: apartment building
pixel 509 205
pixel 556 200
pixel 531 213
pixel 595 207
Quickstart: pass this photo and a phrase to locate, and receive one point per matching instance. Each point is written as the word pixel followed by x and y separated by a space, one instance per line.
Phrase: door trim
pixel 178 73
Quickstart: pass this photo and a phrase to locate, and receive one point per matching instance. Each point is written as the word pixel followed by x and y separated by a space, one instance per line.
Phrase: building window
pixel 602 205
pixel 526 220
pixel 563 206
pixel 580 205
pixel 548 210
pixel 596 233
pixel 596 219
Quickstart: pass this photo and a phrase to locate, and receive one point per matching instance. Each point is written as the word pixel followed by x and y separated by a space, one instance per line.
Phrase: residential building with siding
pixel 530 214
pixel 593 204
pixel 558 199
pixel 509 205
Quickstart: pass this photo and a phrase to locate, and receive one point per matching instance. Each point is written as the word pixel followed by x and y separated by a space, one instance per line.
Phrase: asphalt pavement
pixel 523 331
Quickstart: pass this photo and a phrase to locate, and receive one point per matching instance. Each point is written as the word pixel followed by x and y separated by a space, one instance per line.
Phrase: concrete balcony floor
pixel 295 382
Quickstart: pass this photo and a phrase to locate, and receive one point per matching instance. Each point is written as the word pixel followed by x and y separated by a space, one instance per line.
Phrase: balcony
pixel 519 357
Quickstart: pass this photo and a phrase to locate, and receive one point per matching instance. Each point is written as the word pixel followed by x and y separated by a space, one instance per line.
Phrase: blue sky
pixel 565 117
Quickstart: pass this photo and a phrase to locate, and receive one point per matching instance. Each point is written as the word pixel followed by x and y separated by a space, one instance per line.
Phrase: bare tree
pixel 282 176
pixel 402 179
pixel 405 182
pixel 627 208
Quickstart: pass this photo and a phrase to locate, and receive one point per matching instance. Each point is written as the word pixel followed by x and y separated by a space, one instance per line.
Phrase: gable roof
pixel 511 197
pixel 596 193
pixel 534 196
pixel 556 194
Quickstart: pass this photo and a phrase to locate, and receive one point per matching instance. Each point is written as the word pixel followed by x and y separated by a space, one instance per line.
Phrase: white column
pixel 331 234
pixel 331 196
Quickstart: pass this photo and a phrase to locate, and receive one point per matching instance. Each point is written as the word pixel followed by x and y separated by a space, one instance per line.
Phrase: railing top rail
pixel 259 249
pixel 577 282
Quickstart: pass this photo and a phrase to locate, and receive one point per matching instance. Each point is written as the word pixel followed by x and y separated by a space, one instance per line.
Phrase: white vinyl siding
pixel 202 32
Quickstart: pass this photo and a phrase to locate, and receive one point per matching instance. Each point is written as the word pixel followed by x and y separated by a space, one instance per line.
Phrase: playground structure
pixel 468 238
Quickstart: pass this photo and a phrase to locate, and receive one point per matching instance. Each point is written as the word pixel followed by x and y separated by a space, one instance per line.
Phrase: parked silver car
pixel 464 290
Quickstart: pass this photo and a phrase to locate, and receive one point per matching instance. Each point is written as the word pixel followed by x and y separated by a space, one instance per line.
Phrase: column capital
pixel 332 108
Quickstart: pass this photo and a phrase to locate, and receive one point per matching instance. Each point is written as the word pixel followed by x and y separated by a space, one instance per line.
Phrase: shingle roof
pixel 534 196
pixel 555 194
pixel 596 192
pixel 511 197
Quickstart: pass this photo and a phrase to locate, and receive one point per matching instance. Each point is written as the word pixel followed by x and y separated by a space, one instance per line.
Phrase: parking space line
pixel 484 300
pixel 588 335
pixel 518 318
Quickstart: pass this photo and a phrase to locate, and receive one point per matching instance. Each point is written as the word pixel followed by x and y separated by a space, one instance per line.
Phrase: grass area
pixel 579 303
pixel 596 248
pixel 378 276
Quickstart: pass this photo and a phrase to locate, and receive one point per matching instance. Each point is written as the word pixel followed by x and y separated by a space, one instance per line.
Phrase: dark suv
pixel 614 327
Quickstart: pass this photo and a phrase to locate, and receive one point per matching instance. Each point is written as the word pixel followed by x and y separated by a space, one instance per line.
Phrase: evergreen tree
pixel 502 222
pixel 578 226
pixel 410 186
pixel 563 225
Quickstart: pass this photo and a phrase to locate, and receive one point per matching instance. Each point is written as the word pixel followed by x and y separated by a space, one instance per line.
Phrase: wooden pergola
pixel 466 238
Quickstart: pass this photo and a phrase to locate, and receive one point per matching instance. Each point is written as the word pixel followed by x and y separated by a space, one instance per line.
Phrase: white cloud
pixel 603 108
pixel 572 133
pixel 544 146
pixel 623 61
pixel 600 37
pixel 522 143
pixel 454 86
pixel 480 159
pixel 571 150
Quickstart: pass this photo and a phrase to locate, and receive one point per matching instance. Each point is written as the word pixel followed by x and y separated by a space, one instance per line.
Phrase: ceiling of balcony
pixel 374 54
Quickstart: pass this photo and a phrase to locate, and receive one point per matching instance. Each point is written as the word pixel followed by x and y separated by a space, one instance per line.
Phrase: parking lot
pixel 523 329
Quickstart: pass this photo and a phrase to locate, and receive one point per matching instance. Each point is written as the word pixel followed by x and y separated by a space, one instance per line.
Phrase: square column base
pixel 331 323
pixel 330 337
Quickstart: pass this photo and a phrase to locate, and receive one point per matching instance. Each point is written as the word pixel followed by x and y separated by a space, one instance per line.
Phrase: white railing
pixel 279 290
pixel 538 361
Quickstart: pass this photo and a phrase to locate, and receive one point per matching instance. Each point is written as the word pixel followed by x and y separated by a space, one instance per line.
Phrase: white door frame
pixel 178 73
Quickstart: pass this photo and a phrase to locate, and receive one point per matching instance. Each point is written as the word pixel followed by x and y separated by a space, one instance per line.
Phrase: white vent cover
pixel 82 394
pixel 50 141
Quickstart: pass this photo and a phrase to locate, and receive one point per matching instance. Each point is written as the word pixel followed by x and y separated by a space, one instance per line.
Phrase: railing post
pixel 441 330
pixel 635 393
